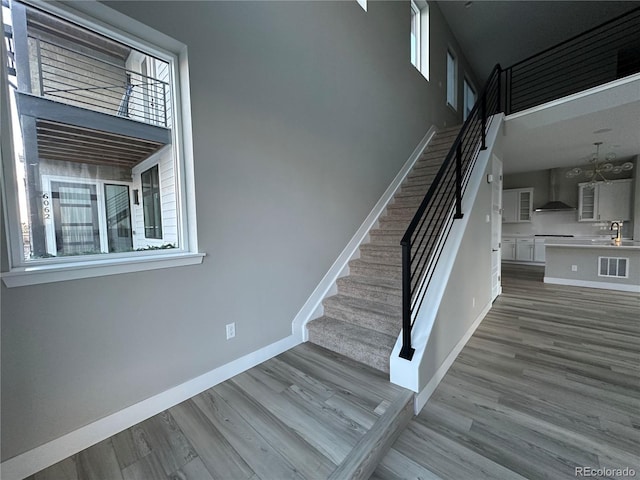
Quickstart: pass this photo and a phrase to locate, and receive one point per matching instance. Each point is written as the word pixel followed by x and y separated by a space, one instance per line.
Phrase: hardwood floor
pixel 296 416
pixel 550 381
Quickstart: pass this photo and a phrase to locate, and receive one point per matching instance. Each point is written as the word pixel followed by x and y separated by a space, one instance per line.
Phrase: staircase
pixel 363 320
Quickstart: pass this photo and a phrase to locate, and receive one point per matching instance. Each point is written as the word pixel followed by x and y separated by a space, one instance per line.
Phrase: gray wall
pixel 586 260
pixel 470 278
pixel 303 112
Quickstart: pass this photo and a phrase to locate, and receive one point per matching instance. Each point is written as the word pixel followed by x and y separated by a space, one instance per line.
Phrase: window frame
pixel 420 10
pixel 452 100
pixel 156 201
pixel 466 84
pixel 417 37
pixel 101 19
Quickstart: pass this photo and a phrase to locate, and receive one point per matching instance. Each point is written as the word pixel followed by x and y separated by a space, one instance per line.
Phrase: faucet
pixel 617 227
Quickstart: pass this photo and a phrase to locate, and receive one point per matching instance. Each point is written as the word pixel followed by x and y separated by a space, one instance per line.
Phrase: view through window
pixel 93 136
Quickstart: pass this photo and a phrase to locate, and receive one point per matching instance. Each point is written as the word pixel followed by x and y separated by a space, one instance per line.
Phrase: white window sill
pixel 20 277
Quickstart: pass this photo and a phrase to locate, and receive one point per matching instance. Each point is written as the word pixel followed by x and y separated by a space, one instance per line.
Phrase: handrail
pixel 449 185
pixel 77 78
pixel 599 55
pixel 524 84
pixel 576 37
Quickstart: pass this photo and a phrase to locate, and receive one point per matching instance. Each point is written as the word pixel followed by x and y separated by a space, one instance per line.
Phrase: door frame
pixel 50 234
pixel 496 226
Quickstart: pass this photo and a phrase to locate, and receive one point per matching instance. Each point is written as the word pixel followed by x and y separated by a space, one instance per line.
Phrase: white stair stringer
pixel 407 373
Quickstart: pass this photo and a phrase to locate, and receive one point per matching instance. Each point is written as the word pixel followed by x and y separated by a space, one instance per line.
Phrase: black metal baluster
pixel 407 351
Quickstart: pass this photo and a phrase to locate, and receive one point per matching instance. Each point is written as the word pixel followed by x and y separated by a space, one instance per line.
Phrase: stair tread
pixel 371 306
pixel 379 270
pixel 363 320
pixel 368 281
pixel 356 342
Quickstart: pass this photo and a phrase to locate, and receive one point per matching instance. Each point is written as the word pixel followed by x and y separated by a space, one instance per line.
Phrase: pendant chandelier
pixel 598 167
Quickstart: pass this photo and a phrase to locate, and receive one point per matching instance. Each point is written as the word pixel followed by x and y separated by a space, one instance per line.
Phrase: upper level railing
pixel 84 80
pixel 599 55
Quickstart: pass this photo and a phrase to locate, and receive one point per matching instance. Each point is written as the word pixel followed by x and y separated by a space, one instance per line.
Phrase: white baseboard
pixel 590 284
pixel 424 395
pixel 28 463
pixel 310 309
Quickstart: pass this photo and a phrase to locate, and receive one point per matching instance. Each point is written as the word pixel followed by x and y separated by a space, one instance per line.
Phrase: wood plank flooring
pixel 550 381
pixel 296 416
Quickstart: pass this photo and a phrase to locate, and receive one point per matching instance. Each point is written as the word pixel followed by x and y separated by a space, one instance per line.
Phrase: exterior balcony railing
pixel 84 80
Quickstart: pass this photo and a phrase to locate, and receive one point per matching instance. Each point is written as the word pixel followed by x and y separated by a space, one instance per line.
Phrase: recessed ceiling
pixel 562 133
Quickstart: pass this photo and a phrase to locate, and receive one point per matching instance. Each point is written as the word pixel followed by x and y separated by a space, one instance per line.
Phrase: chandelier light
pixel 598 167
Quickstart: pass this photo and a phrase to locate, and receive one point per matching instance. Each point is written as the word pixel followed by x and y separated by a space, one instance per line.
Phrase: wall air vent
pixel 613 267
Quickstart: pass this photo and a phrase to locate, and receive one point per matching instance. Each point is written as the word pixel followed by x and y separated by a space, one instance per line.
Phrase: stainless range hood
pixel 554 205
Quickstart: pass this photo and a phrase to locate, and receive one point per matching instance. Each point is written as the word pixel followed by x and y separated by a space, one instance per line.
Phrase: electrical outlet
pixel 231 330
pixel 574 268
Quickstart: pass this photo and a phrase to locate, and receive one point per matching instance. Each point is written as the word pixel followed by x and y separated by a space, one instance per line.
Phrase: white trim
pixel 20 277
pixel 417 43
pixel 421 398
pixel 575 96
pixel 41 457
pixel 454 56
pixel 312 307
pixel 406 373
pixel 363 4
pixel 590 284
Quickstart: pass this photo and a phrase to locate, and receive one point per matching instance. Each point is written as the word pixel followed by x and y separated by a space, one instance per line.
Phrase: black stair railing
pixel 424 240
pixel 599 55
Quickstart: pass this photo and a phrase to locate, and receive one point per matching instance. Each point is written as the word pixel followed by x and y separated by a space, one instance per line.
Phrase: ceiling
pixel 506 32
pixel 561 134
pixel 59 141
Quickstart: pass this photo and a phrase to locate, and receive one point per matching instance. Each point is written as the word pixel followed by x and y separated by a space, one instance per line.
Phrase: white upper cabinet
pixel 605 201
pixel 517 205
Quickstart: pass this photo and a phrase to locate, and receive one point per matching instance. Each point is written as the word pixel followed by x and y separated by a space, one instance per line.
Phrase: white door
pixel 496 227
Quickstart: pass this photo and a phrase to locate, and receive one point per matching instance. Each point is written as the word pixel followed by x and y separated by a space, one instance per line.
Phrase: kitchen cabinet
pixel 605 201
pixel 524 249
pixel 517 205
pixel 508 249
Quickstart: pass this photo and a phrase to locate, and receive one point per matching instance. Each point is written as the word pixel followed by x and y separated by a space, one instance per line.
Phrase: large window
pixel 420 36
pixel 94 124
pixel 452 79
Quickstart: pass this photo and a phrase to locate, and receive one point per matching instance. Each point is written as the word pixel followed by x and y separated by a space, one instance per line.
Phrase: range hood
pixel 554 205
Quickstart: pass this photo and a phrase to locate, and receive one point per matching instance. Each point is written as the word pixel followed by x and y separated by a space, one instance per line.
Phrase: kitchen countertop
pixel 591 243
